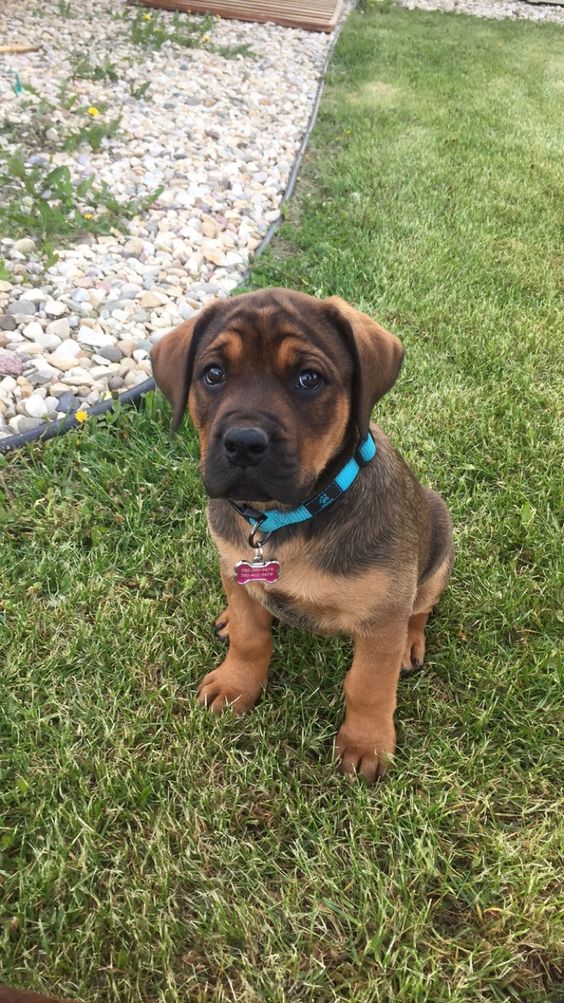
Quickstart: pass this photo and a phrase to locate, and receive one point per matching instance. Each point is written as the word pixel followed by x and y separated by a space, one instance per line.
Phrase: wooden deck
pixel 315 15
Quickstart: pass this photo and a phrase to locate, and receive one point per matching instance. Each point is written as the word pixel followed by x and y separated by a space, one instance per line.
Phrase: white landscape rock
pixel 41 337
pixel 65 356
pixel 32 330
pixel 46 369
pixel 34 295
pixel 26 245
pixel 78 377
pixel 60 328
pixel 95 339
pixel 23 423
pixel 36 407
pixel 28 349
pixel 54 308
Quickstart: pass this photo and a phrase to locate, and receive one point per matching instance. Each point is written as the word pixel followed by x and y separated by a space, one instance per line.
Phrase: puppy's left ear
pixel 377 355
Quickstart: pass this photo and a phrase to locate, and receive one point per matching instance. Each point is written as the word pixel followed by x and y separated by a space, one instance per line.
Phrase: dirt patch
pixel 376 92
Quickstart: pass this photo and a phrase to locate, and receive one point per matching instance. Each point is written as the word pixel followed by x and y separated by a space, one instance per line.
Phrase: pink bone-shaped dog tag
pixel 258 571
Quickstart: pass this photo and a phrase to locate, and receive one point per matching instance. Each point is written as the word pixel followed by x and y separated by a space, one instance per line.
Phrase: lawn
pixel 152 853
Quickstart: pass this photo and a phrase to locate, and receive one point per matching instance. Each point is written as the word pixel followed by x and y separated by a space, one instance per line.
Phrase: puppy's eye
pixel 214 375
pixel 309 380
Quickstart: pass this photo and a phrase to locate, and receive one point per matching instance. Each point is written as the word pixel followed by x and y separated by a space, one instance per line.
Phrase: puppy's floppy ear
pixel 172 360
pixel 377 355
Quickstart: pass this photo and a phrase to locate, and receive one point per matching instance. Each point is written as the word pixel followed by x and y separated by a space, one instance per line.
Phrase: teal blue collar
pixel 274 519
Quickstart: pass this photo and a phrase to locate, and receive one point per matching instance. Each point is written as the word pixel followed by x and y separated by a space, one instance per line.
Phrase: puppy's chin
pixel 250 492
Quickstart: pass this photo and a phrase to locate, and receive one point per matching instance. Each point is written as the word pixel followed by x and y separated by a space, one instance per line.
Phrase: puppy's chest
pixel 308 598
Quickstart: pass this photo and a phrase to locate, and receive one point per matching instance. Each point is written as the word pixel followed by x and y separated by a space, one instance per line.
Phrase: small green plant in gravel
pixel 152 31
pixel 83 68
pixel 65 10
pixel 48 203
pixel 49 126
pixel 234 51
pixel 140 91
pixel 67 99
pixel 31 131
pixel 43 200
pixel 93 132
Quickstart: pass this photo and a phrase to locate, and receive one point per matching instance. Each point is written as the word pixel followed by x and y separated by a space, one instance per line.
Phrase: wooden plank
pixel 321 20
pixel 315 15
pixel 19 48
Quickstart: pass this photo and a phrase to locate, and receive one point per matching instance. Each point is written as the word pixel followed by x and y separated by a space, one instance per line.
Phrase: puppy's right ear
pixel 172 360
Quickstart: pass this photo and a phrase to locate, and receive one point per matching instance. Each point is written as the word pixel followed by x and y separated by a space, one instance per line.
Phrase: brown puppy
pixel 280 387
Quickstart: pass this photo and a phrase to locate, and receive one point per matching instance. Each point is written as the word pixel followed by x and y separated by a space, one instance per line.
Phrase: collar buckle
pixel 258 544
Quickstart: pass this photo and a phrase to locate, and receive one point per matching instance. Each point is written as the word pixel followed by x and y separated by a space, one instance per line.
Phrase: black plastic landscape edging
pixel 136 395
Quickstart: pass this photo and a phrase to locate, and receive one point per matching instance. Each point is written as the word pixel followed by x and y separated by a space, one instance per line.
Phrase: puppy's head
pixel 278 383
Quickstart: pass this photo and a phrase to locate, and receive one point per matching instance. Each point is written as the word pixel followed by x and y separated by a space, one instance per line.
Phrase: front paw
pixel 366 750
pixel 229 687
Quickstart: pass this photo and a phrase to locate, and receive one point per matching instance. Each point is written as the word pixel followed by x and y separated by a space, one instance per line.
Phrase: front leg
pixel 367 738
pixel 240 679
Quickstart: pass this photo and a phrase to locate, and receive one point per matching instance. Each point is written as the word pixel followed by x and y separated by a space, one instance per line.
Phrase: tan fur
pixel 337 605
pixel 428 595
pixel 315 454
pixel 431 589
pixel 286 353
pixel 366 740
pixel 231 342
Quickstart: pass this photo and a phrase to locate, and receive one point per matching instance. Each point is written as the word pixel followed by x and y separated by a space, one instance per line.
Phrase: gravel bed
pixel 219 133
pixel 495 9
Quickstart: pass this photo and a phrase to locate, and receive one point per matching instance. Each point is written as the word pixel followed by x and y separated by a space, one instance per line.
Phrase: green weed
pixel 140 91
pixel 83 68
pixel 48 204
pixel 65 10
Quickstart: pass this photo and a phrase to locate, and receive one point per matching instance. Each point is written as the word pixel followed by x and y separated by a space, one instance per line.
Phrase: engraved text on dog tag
pixel 257 571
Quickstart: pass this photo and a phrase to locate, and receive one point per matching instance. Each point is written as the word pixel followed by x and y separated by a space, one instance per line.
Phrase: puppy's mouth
pixel 253 492
pixel 249 494
pixel 252 486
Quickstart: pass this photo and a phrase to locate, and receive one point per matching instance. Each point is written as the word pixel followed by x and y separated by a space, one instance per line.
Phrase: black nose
pixel 244 445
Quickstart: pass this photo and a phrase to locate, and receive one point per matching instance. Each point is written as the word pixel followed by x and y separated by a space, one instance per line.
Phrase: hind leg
pixel 432 587
pixel 427 597
pixel 414 654
pixel 221 626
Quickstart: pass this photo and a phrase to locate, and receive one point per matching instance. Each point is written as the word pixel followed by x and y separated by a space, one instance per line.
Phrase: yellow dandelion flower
pixel 93 111
pixel 147 17
pixel 81 415
pixel 88 215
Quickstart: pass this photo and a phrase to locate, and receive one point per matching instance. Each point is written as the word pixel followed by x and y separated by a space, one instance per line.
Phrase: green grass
pixel 152 853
